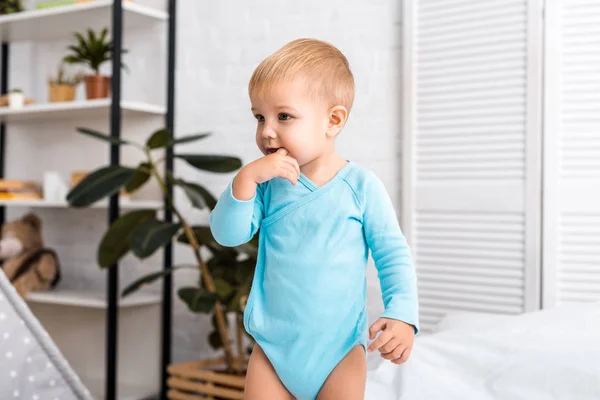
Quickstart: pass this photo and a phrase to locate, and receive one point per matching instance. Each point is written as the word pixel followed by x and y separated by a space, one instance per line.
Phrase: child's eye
pixel 284 116
pixel 259 118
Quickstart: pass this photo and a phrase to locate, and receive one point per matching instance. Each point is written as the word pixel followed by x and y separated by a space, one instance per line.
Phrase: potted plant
pixel 93 51
pixel 225 276
pixel 10 6
pixel 16 99
pixel 62 88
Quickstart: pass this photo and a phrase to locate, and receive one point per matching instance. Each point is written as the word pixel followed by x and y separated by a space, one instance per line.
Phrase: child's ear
pixel 337 119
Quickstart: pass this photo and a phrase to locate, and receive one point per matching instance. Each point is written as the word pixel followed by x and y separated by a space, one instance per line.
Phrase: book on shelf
pixel 12 189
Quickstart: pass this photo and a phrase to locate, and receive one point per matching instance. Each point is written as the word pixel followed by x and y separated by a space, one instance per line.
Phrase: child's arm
pixel 239 210
pixel 392 256
pixel 234 220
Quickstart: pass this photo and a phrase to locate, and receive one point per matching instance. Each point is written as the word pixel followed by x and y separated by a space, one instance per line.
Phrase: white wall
pixel 219 44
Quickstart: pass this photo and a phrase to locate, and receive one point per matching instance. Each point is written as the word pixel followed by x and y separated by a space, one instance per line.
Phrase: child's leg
pixel 262 382
pixel 348 379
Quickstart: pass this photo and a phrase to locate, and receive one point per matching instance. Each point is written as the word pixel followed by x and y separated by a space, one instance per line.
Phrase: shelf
pixel 123 203
pixel 61 22
pixel 99 108
pixel 87 299
pixel 125 391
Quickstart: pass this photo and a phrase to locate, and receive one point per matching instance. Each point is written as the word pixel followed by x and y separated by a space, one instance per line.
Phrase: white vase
pixel 55 188
pixel 16 100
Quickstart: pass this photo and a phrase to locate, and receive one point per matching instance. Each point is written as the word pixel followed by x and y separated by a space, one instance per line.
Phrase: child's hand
pixel 277 164
pixel 396 341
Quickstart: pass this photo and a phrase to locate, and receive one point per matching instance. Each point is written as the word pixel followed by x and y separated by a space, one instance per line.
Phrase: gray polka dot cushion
pixel 31 366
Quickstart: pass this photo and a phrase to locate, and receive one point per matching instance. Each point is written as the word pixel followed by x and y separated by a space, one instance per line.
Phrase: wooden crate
pixel 203 380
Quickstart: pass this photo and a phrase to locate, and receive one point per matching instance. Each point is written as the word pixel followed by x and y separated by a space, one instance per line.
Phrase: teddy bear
pixel 26 262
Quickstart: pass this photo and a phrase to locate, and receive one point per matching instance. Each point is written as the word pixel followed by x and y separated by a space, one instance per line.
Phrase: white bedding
pixel 551 354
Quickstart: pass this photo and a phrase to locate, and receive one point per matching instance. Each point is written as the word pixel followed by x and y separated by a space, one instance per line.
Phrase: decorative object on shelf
pixel 10 6
pixel 226 277
pixel 27 263
pixel 76 177
pixel 55 188
pixel 16 98
pixel 4 101
pixel 93 51
pixel 62 87
pixel 12 189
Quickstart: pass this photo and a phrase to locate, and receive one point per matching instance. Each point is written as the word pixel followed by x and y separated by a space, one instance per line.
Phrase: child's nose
pixel 268 132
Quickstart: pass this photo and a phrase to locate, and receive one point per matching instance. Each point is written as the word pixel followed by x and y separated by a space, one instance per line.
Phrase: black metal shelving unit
pixel 111 381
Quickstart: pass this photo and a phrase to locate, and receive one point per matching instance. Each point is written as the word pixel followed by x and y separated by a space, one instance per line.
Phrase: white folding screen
pixel 472 153
pixel 571 246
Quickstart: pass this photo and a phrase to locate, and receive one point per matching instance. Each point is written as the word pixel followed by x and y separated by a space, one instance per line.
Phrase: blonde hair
pixel 325 67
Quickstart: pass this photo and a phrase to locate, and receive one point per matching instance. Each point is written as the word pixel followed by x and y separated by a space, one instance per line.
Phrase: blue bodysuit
pixel 307 304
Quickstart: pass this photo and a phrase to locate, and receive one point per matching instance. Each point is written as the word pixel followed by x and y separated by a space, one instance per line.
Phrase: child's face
pixel 289 117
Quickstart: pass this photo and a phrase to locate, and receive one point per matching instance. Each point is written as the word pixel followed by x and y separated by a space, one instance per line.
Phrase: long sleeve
pixel 234 222
pixel 391 254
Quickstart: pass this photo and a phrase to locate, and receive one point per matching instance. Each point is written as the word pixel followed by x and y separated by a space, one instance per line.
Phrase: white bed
pixel 551 354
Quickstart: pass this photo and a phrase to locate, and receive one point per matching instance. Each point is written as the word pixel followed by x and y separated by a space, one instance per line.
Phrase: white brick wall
pixel 219 44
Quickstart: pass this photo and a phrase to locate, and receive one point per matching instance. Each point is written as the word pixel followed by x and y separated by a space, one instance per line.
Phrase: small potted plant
pixel 16 99
pixel 62 88
pixel 93 51
pixel 10 6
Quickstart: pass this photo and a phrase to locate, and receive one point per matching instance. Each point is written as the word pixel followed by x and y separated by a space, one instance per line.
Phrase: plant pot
pixel 16 100
pixel 97 86
pixel 61 92
pixel 205 379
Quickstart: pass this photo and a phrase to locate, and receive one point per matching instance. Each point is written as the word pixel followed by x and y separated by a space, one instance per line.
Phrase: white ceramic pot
pixel 16 100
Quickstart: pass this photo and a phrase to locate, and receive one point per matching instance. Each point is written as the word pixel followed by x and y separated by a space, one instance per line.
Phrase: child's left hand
pixel 396 341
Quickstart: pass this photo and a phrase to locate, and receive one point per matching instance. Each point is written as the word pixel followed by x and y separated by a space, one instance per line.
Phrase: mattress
pixel 31 366
pixel 544 355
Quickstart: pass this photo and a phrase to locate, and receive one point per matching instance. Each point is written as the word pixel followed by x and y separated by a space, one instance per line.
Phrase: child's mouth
pixel 272 150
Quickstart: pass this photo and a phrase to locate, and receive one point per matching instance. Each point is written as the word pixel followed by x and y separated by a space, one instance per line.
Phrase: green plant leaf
pixel 197 299
pixel 224 289
pixel 212 163
pixel 91 37
pixel 214 339
pixel 234 303
pixel 102 136
pixel 72 59
pixel 204 237
pixel 150 278
pixel 83 45
pixel 103 35
pixel 198 195
pixel 151 235
pixel 78 52
pixel 189 138
pixel 141 176
pixel 159 139
pixel 103 182
pixel 223 261
pixel 244 271
pixel 115 242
